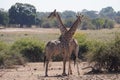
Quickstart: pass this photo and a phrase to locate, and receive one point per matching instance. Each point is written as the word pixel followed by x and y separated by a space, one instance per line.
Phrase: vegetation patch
pixel 106 56
pixel 8 57
pixel 29 48
pixel 20 52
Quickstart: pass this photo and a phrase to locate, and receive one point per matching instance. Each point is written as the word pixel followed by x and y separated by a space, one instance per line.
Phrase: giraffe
pixel 52 48
pixel 74 44
pixel 64 48
pixel 66 41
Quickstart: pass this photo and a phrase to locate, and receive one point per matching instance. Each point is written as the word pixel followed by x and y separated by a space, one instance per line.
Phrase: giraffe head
pixel 79 17
pixel 52 14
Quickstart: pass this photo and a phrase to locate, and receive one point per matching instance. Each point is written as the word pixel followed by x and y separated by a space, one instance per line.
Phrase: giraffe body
pixel 56 47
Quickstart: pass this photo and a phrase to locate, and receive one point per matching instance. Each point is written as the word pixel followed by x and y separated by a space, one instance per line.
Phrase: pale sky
pixel 62 5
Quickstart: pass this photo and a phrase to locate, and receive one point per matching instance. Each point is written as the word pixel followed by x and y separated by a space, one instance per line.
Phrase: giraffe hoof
pixel 46 75
pixel 64 74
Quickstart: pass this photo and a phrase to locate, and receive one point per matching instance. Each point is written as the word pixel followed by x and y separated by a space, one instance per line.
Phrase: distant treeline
pixel 26 15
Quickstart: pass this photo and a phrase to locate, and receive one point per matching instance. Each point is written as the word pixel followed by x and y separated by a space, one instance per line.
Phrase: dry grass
pixel 102 35
pixel 12 34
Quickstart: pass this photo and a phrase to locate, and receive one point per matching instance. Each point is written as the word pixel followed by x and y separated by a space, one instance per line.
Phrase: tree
pixel 103 23
pixel 117 17
pixel 4 19
pixel 107 12
pixel 68 22
pixel 91 14
pixel 68 14
pixel 68 17
pixel 23 14
pixel 99 22
pixel 87 24
pixel 108 23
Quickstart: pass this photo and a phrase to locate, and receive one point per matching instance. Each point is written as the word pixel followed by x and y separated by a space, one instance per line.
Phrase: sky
pixel 62 5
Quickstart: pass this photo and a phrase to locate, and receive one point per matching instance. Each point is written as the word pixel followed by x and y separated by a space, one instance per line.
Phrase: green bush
pixel 84 44
pixel 106 55
pixel 8 58
pixel 2 56
pixel 96 50
pixel 2 45
pixel 81 37
pixel 30 48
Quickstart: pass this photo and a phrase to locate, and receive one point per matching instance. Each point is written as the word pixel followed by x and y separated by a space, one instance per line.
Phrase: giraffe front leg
pixel 64 67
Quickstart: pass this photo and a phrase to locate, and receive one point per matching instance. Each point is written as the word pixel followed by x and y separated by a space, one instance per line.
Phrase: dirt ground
pixel 36 71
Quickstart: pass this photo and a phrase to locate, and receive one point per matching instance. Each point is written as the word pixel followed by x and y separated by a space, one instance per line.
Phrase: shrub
pixel 9 58
pixel 96 52
pixel 106 55
pixel 2 45
pixel 31 49
pixel 83 44
pixel 2 48
pixel 81 37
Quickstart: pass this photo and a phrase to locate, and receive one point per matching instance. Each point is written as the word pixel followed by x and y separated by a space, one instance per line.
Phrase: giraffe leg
pixel 69 70
pixel 69 61
pixel 77 59
pixel 64 66
pixel 76 53
pixel 46 71
pixel 78 69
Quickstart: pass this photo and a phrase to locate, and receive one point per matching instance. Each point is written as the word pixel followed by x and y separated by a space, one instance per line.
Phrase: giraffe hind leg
pixel 69 70
pixel 46 71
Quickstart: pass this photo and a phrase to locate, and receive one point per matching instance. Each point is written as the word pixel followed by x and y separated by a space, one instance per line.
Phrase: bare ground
pixel 35 71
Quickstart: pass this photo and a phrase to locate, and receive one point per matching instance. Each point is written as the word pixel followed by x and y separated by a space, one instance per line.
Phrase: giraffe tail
pixel 74 59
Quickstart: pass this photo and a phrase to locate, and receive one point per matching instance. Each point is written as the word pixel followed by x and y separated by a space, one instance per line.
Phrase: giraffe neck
pixel 69 34
pixel 74 27
pixel 62 27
